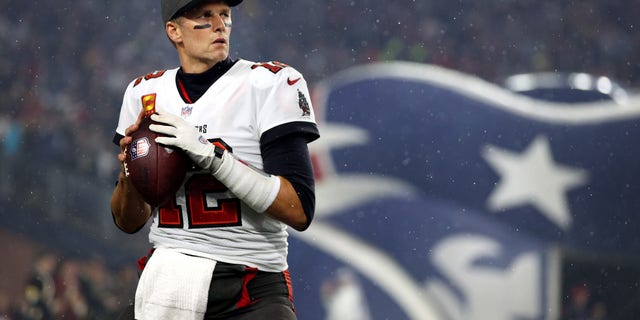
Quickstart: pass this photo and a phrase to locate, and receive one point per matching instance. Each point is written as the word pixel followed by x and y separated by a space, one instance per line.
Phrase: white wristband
pixel 257 189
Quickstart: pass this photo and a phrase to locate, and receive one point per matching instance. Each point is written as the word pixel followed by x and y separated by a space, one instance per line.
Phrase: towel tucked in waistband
pixel 173 285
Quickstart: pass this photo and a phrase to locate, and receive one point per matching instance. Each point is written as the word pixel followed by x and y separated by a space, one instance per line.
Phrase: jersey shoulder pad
pixel 274 72
pixel 149 76
pixel 275 68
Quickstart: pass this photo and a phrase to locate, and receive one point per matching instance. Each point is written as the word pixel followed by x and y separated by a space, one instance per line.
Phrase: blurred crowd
pixel 62 288
pixel 64 66
pixel 581 305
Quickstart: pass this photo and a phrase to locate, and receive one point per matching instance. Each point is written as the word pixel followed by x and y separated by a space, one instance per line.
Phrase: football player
pixel 220 245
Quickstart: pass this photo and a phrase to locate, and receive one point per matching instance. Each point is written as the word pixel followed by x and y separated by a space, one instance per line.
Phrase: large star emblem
pixel 533 177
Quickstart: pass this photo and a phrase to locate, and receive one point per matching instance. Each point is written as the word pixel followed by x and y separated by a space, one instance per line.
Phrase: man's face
pixel 204 34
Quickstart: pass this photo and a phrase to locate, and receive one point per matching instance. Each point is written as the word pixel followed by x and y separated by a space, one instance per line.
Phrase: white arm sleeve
pixel 257 189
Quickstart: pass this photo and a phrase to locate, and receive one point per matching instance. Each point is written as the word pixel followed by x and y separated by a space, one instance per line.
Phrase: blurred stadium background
pixel 64 66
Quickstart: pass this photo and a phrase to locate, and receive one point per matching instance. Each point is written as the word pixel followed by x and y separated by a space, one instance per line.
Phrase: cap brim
pixel 194 3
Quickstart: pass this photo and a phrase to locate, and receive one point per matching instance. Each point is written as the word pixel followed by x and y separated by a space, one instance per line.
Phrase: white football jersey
pixel 204 217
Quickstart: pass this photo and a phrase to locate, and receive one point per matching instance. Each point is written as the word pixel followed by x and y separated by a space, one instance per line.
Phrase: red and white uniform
pixel 205 218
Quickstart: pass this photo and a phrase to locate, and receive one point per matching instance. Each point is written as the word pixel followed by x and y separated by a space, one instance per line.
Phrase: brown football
pixel 156 171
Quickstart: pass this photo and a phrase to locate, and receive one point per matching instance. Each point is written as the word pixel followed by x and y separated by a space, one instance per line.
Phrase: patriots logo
pixel 451 197
pixel 139 148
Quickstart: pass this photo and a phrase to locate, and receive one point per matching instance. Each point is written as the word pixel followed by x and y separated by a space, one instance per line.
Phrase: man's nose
pixel 218 23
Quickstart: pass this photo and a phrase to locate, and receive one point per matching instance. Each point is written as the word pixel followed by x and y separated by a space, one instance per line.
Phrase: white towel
pixel 173 285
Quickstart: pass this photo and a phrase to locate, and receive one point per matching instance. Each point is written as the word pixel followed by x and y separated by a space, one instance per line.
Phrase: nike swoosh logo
pixel 292 82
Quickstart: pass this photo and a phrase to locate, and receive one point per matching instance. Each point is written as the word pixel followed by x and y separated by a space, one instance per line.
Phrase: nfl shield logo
pixel 140 148
pixel 186 111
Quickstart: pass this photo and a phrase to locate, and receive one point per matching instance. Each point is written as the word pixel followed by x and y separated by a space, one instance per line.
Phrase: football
pixel 156 171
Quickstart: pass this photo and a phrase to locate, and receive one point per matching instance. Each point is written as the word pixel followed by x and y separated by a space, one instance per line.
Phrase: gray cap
pixel 170 8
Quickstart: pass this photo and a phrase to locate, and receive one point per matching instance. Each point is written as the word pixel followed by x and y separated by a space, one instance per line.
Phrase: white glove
pixel 257 189
pixel 185 136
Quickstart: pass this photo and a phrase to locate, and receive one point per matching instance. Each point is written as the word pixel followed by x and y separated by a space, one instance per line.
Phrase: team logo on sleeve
pixel 303 104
